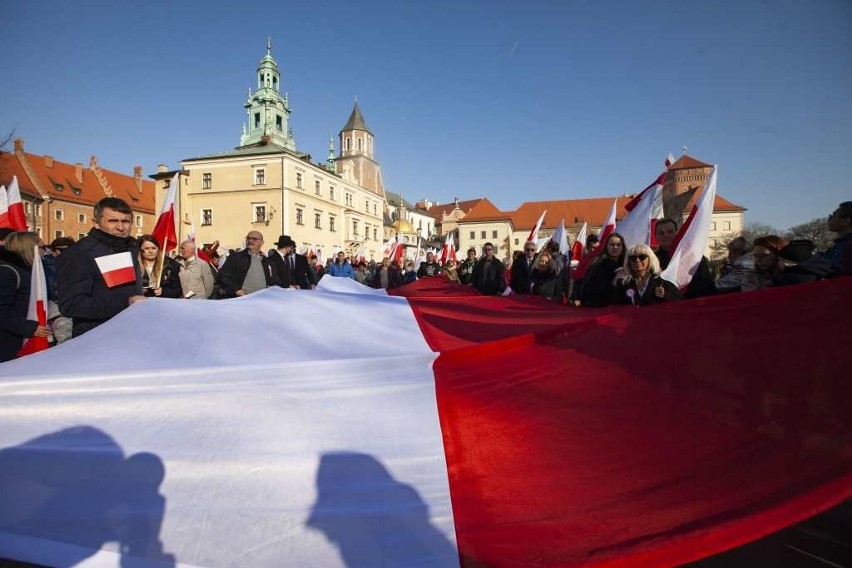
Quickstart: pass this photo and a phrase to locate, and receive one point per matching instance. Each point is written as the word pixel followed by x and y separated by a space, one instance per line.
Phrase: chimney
pixel 137 172
pixel 162 168
pixel 19 144
pixel 78 172
pixel 48 161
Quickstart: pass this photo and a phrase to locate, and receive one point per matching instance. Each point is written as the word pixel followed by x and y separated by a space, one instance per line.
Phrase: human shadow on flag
pixel 76 487
pixel 373 519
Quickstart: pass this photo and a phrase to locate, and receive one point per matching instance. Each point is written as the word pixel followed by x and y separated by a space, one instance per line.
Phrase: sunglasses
pixel 635 257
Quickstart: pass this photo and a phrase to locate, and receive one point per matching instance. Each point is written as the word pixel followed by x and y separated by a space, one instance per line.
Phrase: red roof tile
pixel 686 162
pixel 438 211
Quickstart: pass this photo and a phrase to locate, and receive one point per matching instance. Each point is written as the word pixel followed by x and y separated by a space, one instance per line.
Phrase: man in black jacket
pixel 82 289
pixel 245 271
pixel 521 270
pixel 290 269
pixel 489 273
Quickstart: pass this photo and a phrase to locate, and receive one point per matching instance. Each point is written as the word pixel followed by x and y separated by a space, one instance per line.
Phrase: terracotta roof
pixel 471 206
pixel 686 162
pixel 59 181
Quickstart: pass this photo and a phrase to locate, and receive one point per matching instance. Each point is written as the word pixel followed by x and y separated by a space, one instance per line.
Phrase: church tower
pixel 356 153
pixel 268 110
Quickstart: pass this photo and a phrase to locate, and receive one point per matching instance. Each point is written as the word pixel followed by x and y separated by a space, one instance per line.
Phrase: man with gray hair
pixel 196 278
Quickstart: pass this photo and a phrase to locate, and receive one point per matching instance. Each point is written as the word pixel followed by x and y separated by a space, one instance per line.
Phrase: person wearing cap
pixel 291 269
pixel 245 271
pixel 840 253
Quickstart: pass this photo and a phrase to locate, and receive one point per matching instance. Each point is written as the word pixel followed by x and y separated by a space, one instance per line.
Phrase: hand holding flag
pixel 37 309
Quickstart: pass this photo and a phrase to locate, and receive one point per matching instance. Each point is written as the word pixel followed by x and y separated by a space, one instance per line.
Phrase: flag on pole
pixel 691 241
pixel 190 236
pixel 636 226
pixel 15 207
pixel 448 252
pixel 37 309
pixel 560 237
pixel 606 231
pixel 164 230
pixel 4 208
pixel 387 249
pixel 361 254
pixel 670 159
pixel 534 233
pixel 579 243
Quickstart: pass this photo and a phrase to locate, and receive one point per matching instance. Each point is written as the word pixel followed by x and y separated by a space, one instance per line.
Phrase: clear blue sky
pixel 516 101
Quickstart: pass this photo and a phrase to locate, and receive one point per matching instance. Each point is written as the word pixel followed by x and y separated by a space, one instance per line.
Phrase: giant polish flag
pixel 164 230
pixel 15 207
pixel 691 241
pixel 436 427
pixel 37 308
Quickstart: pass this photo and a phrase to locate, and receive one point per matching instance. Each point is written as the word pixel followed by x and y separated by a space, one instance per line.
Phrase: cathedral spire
pixel 268 110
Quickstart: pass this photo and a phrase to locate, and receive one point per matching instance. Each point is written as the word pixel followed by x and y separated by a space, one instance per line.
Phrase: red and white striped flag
pixel 15 217
pixel 4 208
pixel 534 233
pixel 606 231
pixel 579 244
pixel 448 252
pixel 361 254
pixel 636 226
pixel 164 230
pixel 116 269
pixel 691 241
pixel 37 309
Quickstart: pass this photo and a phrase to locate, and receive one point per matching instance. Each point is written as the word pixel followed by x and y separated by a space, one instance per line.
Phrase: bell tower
pixel 268 110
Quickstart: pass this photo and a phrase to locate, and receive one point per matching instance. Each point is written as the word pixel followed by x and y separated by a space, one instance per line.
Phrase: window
pixel 483 234
pixel 299 180
pixel 76 190
pixel 206 181
pixel 726 225
pixel 206 217
pixel 366 206
pixel 374 234
pixel 493 234
pixel 348 199
pixel 472 235
pixel 517 242
pixel 331 193
pixel 278 123
pixel 58 233
pixel 713 225
pixel 28 207
pixel 138 220
pixel 257 120
pixel 59 214
pixel 260 176
pixel 259 211
pixel 58 186
pixel 81 218
pixel 317 220
pixel 331 223
pixel 374 209
pixel 355 228
pixel 299 216
pixel 317 187
pixel 346 142
pixel 359 144
pixel 38 210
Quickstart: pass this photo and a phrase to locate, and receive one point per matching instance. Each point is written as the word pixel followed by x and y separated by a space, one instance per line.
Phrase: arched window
pixel 359 144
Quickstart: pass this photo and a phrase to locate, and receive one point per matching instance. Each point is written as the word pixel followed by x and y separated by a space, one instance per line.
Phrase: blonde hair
pixel 23 244
pixel 653 262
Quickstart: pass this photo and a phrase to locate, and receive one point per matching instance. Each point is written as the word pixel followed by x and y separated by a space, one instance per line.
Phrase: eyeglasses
pixel 635 257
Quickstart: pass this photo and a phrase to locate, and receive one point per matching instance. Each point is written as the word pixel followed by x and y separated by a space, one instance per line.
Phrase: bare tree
pixel 815 230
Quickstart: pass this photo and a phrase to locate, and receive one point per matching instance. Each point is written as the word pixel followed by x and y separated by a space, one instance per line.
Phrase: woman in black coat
pixel 156 266
pixel 596 288
pixel 638 283
pixel 16 261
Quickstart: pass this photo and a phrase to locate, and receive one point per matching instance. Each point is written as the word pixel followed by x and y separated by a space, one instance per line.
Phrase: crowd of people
pixel 81 296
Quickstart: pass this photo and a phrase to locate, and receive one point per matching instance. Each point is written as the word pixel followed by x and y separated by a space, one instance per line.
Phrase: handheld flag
pixel 116 269
pixel 560 237
pixel 636 226
pixel 164 230
pixel 579 243
pixel 691 241
pixel 606 231
pixel 37 309
pixel 4 208
pixel 534 233
pixel 17 219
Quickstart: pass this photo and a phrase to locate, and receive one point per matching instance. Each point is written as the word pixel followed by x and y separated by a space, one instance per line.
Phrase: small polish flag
pixel 164 230
pixel 534 233
pixel 579 243
pixel 117 269
pixel 37 310
pixel 17 219
pixel 606 231
pixel 4 209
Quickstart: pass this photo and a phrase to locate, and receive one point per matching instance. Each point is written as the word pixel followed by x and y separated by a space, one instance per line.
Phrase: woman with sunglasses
pixel 639 283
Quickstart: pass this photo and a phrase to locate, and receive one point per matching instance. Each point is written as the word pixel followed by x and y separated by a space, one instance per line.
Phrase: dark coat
pixel 596 288
pixel 14 304
pixel 300 275
pixel 429 269
pixel 233 273
pixel 169 281
pixel 394 277
pixel 489 278
pixel 620 295
pixel 703 283
pixel 519 280
pixel 818 267
pixel 546 285
pixel 82 293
